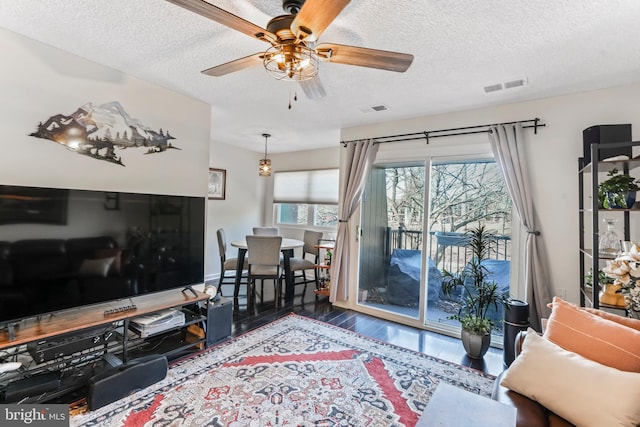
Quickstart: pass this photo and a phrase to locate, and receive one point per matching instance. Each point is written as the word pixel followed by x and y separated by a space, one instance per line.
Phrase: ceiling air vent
pixel 493 88
pixel 514 83
pixel 506 85
pixel 380 107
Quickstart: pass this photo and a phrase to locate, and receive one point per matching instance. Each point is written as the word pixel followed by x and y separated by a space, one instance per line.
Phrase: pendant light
pixel 265 164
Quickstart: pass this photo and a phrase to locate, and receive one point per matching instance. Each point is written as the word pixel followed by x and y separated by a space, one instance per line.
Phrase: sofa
pixel 584 370
pixel 51 274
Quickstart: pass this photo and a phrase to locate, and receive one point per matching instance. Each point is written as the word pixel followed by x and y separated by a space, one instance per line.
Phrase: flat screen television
pixel 64 248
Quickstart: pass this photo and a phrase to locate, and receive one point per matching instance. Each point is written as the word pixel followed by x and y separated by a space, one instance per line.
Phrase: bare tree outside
pixel 405 197
pixel 462 195
pixel 465 194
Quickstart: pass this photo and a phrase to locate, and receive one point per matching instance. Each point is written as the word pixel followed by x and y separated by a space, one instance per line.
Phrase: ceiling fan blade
pixel 315 16
pixel 228 19
pixel 313 88
pixel 235 65
pixel 365 57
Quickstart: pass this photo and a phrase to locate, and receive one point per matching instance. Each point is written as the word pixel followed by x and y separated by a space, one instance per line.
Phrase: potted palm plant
pixel 477 294
pixel 617 191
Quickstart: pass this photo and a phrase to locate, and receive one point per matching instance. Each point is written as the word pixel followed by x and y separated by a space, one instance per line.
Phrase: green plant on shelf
pixel 603 279
pixel 327 257
pixel 613 192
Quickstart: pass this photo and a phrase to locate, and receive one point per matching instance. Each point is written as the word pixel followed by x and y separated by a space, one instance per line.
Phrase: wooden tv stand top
pixel 36 328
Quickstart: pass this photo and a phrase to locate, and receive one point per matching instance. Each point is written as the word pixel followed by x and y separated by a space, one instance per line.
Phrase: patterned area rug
pixel 292 372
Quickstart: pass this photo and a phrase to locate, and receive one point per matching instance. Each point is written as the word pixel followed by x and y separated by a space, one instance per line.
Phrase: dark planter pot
pixel 476 346
pixel 630 199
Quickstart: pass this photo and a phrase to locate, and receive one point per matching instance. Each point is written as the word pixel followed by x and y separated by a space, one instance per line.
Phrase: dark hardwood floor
pixel 433 344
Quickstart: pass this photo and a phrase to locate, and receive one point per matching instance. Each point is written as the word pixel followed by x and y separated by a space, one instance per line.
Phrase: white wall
pixel 324 158
pixel 553 155
pixel 242 208
pixel 38 81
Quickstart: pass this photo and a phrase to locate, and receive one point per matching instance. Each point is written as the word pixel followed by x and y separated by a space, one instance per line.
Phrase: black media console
pixel 59 354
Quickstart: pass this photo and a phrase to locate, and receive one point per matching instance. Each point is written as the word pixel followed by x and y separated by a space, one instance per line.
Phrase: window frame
pixel 311 215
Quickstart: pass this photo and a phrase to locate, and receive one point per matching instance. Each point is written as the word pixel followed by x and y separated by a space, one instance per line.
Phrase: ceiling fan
pixel 294 53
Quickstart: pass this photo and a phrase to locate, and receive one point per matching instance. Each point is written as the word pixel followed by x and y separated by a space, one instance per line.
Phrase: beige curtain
pixel 507 144
pixel 359 160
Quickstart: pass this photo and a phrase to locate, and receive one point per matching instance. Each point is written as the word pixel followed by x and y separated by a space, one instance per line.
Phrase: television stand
pixel 90 339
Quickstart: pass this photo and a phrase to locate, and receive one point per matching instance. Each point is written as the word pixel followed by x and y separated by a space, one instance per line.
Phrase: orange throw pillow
pixel 626 321
pixel 593 337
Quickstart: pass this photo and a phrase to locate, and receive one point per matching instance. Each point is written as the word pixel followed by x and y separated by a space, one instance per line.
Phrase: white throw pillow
pixel 95 267
pixel 580 390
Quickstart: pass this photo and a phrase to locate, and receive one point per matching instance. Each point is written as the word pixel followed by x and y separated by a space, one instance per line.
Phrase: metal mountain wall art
pixel 102 132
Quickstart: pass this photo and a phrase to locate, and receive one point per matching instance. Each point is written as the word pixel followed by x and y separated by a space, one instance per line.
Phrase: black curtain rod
pixel 467 130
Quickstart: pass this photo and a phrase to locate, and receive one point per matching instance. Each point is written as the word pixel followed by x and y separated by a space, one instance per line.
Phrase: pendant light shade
pixel 265 164
pixel 265 167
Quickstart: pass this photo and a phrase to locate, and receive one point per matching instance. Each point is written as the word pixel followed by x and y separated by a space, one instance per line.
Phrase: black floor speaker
pixel 606 134
pixel 121 381
pixel 32 386
pixel 219 318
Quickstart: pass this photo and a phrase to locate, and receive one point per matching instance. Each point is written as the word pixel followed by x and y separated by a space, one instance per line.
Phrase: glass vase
pixel 609 245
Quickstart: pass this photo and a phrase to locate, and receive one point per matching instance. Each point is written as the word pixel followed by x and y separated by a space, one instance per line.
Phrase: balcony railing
pixel 448 250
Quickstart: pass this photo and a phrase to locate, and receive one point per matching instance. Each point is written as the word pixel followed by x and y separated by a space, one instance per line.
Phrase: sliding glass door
pixel 391 241
pixel 414 219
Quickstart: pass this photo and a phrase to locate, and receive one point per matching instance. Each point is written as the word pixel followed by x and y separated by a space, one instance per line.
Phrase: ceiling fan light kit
pixel 293 62
pixel 293 54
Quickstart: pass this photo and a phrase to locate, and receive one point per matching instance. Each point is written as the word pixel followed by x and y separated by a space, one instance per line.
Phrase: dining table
pixel 287 247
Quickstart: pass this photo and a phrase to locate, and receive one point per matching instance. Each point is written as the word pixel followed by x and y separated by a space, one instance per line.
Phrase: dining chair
pixel 229 265
pixel 301 266
pixel 266 231
pixel 264 263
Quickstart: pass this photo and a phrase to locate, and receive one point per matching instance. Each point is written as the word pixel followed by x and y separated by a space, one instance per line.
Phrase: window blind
pixel 309 187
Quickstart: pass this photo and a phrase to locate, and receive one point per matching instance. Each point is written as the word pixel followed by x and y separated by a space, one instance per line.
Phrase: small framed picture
pixel 217 183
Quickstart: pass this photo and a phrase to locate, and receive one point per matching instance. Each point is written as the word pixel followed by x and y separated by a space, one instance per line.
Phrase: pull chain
pixel 295 97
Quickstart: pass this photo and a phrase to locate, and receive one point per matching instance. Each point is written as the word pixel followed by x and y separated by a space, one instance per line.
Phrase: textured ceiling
pixel 459 47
